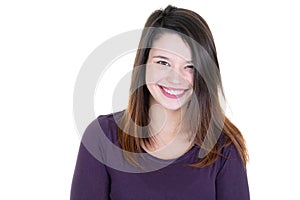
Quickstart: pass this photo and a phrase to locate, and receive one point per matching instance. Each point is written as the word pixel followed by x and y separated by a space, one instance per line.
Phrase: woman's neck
pixel 170 138
pixel 165 125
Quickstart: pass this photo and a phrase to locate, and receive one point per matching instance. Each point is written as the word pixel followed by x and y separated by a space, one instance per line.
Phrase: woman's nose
pixel 176 77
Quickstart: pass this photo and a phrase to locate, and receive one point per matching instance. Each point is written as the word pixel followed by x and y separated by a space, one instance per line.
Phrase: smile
pixel 172 92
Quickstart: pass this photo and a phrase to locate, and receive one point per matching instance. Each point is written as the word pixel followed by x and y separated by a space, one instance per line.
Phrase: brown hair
pixel 209 122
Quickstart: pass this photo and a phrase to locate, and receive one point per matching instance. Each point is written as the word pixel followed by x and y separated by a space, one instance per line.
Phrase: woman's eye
pixel 163 63
pixel 191 67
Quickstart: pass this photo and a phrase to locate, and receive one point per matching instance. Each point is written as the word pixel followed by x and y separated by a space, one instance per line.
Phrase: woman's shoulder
pixel 227 150
pixel 103 128
pixel 111 119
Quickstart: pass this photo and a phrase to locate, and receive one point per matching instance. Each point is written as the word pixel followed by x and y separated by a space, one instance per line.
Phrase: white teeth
pixel 173 92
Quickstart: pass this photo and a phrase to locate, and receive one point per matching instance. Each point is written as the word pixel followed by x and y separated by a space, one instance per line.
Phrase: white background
pixel 43 45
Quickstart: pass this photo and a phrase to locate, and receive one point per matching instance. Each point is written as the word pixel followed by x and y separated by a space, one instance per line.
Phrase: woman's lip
pixel 171 88
pixel 172 96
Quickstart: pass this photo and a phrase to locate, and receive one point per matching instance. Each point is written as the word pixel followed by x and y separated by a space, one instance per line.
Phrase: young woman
pixel 173 141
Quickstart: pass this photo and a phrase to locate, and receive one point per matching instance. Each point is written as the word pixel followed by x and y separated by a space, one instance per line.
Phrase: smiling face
pixel 169 72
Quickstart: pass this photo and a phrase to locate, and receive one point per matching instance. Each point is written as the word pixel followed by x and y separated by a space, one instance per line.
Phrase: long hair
pixel 211 128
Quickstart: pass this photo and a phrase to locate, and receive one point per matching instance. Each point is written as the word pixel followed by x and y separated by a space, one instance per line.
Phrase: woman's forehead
pixel 172 44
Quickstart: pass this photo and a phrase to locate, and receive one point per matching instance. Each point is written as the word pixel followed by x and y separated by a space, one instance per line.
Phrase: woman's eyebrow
pixel 162 57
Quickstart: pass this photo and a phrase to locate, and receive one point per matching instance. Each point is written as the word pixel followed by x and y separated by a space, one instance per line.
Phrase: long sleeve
pixel 90 180
pixel 102 173
pixel 232 182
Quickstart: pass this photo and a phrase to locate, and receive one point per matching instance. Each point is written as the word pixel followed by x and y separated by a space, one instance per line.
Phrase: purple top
pixel 101 171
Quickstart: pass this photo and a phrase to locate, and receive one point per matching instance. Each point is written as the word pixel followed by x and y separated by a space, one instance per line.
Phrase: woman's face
pixel 169 72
